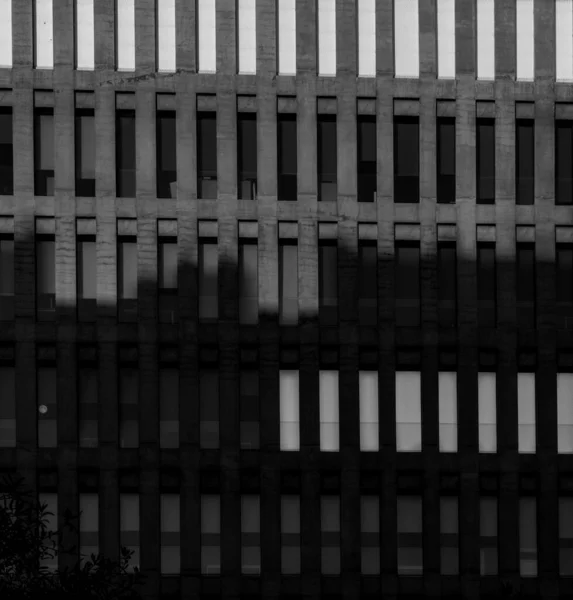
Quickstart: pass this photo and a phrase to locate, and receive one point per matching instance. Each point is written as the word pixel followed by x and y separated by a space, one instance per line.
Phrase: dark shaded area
pixel 125 153
pixel 406 159
pixel 485 151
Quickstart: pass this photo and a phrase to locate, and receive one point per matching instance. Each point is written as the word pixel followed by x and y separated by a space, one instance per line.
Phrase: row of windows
pixel 409 399
pixel 405 25
pixel 406 156
pixel 409 531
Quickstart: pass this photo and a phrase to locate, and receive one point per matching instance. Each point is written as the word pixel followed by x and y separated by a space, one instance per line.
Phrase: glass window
pixel 563 41
pixel 247 36
pixel 125 153
pixel 289 410
pixel 44 150
pixel 247 155
pixel 207 36
pixel 166 154
pixel 447 284
pixel 328 280
pixel 525 167
pixel 208 280
pixel 525 27
pixel 288 282
pixel 6 145
pixel 209 408
pixel 487 412
pixel 406 159
pixel 565 536
pixel 129 526
pixel 366 157
pixel 6 279
pixel 526 412
pixel 287 156
pixel 85 34
pixel 47 407
pixel 7 407
pixel 125 35
pixel 6 34
pixel 249 409
pixel 329 424
pixel 526 285
pixel 207 155
pixel 446 160
pixel 250 535
pixel 330 534
pixel 563 162
pixel 170 534
pixel 565 413
pixel 88 431
pixel 488 536
pixel 127 279
pixel 44 31
pixel 367 283
pixel 368 408
pixel 210 535
pixel 128 407
pixel 45 279
pixel 449 540
pixel 248 282
pixel 370 534
pixel 528 537
pixel 326 15
pixel 366 38
pixel 166 36
pixel 86 278
pixel 85 152
pixel 446 38
pixel 487 288
pixel 410 554
pixel 89 526
pixel 485 18
pixel 286 10
pixel 168 407
pixel 407 285
pixel 327 157
pixel 290 535
pixel 407 44
pixel 448 411
pixel 167 274
pixel 408 411
pixel 485 152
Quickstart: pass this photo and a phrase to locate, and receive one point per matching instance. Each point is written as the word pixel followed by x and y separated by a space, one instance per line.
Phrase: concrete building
pixel 286 290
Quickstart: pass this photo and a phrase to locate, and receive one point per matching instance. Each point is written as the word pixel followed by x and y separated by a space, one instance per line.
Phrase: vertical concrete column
pixel 544 169
pixel 186 132
pixel 506 396
pixel 467 392
pixel 185 36
pixel 306 142
pixel 22 35
pixel 430 398
pixel 148 396
pixel 268 260
pixel 64 52
pixel 24 269
pixel 145 39
pixel 385 38
pixel 105 142
pixel 149 511
pixel 64 145
pixel 106 264
pixel 465 40
pixel 23 132
pixel 145 117
pixel 385 145
pixel 104 37
pixel 346 40
pixel 505 43
pixel 227 145
pixel 428 267
pixel 107 395
pixel 190 519
pixel 544 27
pixel 428 56
pixel 347 145
pixel 226 37
pixel 147 269
pixel 267 154
pixel 267 17
pixel 308 270
pixel 66 267
pixel 428 149
pixel 347 271
pixel 306 37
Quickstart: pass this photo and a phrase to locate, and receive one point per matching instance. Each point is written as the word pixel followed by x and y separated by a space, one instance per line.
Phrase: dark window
pixel 564 162
pixel 166 154
pixel 249 409
pixel 367 283
pixel 167 272
pixel 127 279
pixel 45 278
pixel 208 408
pixel 207 155
pixel 525 167
pixel 85 152
pixel 288 282
pixel 86 278
pixel 328 281
pixel 564 259
pixel 407 285
pixel 406 160
pixel 447 284
pixel 526 285
pixel 248 282
pixel 486 279
pixel 125 153
pixel 327 157
pixel 208 279
pixel 366 158
pixel 44 152
pixel 247 155
pixel 6 279
pixel 485 161
pixel 287 156
pixel 6 152
pixel 446 160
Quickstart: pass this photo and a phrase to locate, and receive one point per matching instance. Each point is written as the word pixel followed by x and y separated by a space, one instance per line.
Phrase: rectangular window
pixel 168 407
pixel 563 162
pixel 563 40
pixel 168 302
pixel 446 39
pixel 408 411
pixel 368 407
pixel 128 407
pixel 247 155
pixel 564 284
pixel 290 535
pixel 44 150
pixel 367 283
pixel 127 279
pixel 286 10
pixel 249 409
pixel 366 158
pixel 207 36
pixel 125 153
pixel 89 526
pixel 51 502
pixel 326 14
pixel 45 278
pixel 328 401
pixel 86 278
pixel 446 160
pixel 7 407
pixel 485 152
pixel 565 536
pixel 328 280
pixel 488 536
pixel 207 155
pixel 526 412
pixel 5 34
pixel 327 157
pixel 289 410
pixel 370 535
pixel 449 535
pixel 406 159
pixel 208 280
pixel 525 293
pixel 250 535
pixel 170 534
pixel 125 35
pixel 448 411
pixel 410 554
pixel 407 43
pixel 85 34
pixel 287 156
pixel 485 19
pixel 565 413
pixel 525 27
pixel 247 36
pixel 525 167
pixel 210 534
pixel 367 38
pixel 487 412
pixel 6 148
pixel 447 284
pixel 85 152
pixel 209 408
pixel 330 534
pixel 166 155
pixel 528 537
pixel 88 430
pixel 44 30
pixel 407 285
pixel 487 288
pixel 166 36
pixel 129 527
pixel 6 279
pixel 288 282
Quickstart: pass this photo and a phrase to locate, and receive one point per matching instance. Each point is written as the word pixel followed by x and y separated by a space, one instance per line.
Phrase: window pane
pixel 407 285
pixel 565 413
pixel 449 535
pixel 366 38
pixel 127 270
pixel 125 35
pixel 446 38
pixel 88 433
pixel 485 18
pixel 525 39
pixel 487 412
pixel 367 168
pixel 327 157
pixel 247 155
pixel 46 148
pixel 566 536
pixel 487 289
pixel 6 144
pixel 563 162
pixel 125 153
pixel 485 160
pixel 446 160
pixel 326 15
pixel 86 143
pixel 525 163
pixel 166 35
pixel 287 156
pixel 6 34
pixel 563 40
pixel 289 410
pixel 85 34
pixel 528 537
pixel 209 408
pixel 166 154
pixel 447 284
pixel 406 45
pixel 87 282
pixel 169 408
pixel 288 284
pixel 207 155
pixel 368 399
pixel 247 36
pixel 7 408
pixel 44 34
pixel 208 280
pixel 248 283
pixel 328 282
pixel 488 536
pixel 409 521
pixel 408 411
pixel 286 10
pixel 206 36
pixel 448 411
pixel 328 384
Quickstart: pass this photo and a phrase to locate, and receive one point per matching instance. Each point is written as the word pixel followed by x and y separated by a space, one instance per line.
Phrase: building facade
pixel 286 290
